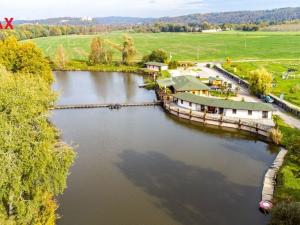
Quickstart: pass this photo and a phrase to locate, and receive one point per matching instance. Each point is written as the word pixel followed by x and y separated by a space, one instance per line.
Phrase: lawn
pixel 289 86
pixel 288 180
pixel 189 46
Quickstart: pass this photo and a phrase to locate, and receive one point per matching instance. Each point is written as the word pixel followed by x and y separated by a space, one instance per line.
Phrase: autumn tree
pixel 100 52
pixel 128 51
pixel 60 58
pixel 260 82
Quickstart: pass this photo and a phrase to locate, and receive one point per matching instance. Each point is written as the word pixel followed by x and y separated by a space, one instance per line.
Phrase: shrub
pixel 276 136
pixel 286 214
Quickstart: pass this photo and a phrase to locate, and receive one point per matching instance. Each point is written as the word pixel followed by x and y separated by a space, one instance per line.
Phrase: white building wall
pixel 154 68
pixel 243 114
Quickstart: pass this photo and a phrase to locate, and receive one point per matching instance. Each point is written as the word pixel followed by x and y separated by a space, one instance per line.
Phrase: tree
pixel 24 58
pixel 33 163
pixel 260 82
pixel 98 54
pixel 61 58
pixel 156 56
pixel 128 51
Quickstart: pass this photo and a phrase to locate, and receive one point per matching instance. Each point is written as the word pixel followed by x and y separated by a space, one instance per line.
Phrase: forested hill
pixel 238 17
pixel 275 15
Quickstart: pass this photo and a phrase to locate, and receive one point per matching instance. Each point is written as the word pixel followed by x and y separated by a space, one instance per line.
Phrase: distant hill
pixel 275 15
pixel 238 17
pixel 113 20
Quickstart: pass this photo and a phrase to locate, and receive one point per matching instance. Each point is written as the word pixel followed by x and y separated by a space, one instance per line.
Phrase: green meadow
pixel 283 84
pixel 189 46
pixel 276 48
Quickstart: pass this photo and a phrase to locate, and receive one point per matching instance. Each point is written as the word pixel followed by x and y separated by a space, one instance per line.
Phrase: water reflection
pixel 95 87
pixel 182 190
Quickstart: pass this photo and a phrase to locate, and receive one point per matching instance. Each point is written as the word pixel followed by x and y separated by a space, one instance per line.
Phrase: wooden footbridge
pixel 107 105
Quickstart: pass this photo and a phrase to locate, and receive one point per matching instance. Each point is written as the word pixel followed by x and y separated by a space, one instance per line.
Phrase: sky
pixel 38 9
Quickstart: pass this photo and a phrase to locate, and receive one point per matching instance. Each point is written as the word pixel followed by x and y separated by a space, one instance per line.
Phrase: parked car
pixel 267 99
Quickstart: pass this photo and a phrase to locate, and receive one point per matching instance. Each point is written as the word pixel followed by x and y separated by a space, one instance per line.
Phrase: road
pixel 244 94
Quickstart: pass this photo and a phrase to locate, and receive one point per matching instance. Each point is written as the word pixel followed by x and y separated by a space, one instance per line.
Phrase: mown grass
pixel 288 179
pixel 289 87
pixel 189 46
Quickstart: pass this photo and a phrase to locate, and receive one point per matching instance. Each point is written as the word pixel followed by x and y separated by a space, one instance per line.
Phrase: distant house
pixel 211 31
pixel 156 66
pixel 189 84
pixel 229 108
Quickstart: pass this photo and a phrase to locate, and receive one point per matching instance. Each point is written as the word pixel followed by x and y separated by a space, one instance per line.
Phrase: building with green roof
pixel 229 108
pixel 189 84
pixel 156 66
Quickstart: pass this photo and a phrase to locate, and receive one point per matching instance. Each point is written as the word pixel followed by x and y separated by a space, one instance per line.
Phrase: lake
pixel 141 166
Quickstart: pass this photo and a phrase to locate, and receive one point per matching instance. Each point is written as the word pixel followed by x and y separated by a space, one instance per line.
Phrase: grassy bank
pixel 288 179
pixel 188 46
pixel 290 86
pixel 83 66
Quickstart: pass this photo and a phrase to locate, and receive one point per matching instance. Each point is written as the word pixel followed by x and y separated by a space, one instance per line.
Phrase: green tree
pixel 33 163
pixel 156 56
pixel 60 58
pixel 128 51
pixel 24 58
pixel 260 82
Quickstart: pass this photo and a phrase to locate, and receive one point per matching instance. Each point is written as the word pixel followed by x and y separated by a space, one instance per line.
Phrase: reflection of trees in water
pixel 191 195
pixel 130 86
pixel 63 83
pixel 100 83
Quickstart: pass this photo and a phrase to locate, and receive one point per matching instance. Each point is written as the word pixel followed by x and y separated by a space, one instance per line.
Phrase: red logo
pixel 8 24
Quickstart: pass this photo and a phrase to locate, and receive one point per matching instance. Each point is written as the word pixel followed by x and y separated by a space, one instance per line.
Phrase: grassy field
pixel 190 46
pixel 290 87
pixel 288 180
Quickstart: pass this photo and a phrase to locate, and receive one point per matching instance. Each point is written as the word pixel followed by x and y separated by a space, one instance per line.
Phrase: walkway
pixel 107 105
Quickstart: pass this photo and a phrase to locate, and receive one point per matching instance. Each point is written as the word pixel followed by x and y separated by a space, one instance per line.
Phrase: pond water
pixel 141 166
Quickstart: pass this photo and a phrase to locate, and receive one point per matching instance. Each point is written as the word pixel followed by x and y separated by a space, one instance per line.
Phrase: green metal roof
pixel 221 103
pixel 188 83
pixel 156 64
pixel 165 82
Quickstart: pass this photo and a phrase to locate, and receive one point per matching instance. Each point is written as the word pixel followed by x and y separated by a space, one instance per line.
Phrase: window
pixel 234 111
pixel 265 114
pixel 181 101
pixel 194 92
pixel 190 104
pixel 250 112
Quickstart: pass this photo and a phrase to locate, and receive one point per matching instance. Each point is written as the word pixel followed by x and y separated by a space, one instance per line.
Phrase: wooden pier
pixel 108 105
